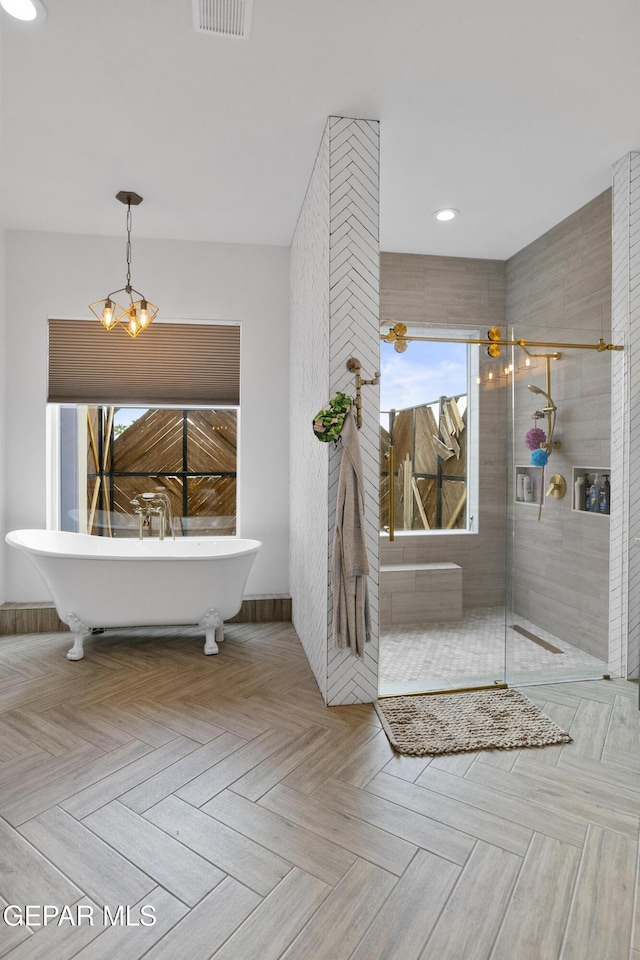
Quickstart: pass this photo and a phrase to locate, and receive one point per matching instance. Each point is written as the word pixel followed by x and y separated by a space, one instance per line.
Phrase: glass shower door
pixel 442 553
pixel 557 551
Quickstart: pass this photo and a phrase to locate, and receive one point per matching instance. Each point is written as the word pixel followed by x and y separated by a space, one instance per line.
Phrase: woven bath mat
pixel 458 722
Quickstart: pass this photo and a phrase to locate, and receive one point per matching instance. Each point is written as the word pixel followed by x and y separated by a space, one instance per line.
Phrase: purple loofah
pixel 534 438
pixel 539 458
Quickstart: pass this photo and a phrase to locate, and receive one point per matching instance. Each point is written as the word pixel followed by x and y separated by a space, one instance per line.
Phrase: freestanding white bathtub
pixel 100 582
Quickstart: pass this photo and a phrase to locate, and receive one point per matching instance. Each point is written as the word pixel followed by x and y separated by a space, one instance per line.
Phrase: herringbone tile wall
pixel 252 822
pixel 624 578
pixel 354 325
pixel 335 280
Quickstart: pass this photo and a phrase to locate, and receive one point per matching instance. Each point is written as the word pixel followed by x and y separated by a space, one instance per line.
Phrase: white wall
pixel 3 458
pixel 58 275
pixel 309 391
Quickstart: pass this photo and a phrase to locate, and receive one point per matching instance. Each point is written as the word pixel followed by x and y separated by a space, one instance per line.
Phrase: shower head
pixel 534 389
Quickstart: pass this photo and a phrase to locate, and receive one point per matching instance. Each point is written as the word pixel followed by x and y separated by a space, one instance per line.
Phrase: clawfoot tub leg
pixel 80 631
pixel 213 631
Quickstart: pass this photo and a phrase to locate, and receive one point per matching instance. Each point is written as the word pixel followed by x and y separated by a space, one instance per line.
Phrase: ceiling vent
pixel 223 18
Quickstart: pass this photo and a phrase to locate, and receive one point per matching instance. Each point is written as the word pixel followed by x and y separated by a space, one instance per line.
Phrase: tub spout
pixel 143 514
pixel 159 511
pixel 168 513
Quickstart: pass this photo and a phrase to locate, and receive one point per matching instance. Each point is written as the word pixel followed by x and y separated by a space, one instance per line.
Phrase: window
pixel 429 402
pixel 110 455
pixel 158 414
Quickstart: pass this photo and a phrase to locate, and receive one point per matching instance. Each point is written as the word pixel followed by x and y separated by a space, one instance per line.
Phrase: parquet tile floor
pixel 219 797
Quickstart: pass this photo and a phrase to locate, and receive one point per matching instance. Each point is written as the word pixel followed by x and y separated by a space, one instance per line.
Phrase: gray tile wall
pixel 559 289
pixel 448 291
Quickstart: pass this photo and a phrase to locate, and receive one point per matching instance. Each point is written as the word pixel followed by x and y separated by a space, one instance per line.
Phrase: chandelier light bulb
pixel 108 314
pixel 133 327
pixel 143 316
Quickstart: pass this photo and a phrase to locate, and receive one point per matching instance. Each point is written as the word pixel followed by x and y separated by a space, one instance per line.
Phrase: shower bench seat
pixel 420 592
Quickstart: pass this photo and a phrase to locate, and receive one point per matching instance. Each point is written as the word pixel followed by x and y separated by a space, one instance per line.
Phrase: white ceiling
pixel 511 110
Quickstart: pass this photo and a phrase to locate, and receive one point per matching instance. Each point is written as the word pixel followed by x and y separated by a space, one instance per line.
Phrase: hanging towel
pixel 350 564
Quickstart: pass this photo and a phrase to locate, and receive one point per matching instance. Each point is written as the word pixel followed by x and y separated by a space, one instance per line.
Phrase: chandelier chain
pixel 128 287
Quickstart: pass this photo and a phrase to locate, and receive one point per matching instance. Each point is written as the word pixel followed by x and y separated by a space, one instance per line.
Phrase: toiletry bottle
pixel 603 495
pixel 587 490
pixel 527 491
pixel 580 491
pixel 593 494
pixel 520 486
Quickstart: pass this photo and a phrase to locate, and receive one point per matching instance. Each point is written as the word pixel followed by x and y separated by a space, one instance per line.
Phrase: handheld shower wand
pixel 534 389
pixel 549 410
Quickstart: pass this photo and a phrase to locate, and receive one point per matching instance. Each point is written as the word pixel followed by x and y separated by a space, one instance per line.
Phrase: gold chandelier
pixel 138 315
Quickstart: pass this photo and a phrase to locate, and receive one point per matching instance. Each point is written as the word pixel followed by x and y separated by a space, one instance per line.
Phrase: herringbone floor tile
pixel 219 798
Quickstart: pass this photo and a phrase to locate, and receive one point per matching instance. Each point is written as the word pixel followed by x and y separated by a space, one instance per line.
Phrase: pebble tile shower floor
pixel 472 650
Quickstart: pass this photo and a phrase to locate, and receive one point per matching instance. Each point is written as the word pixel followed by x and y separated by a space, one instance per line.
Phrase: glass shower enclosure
pixel 483 552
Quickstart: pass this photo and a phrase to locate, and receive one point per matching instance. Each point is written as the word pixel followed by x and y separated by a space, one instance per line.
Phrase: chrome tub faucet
pixel 148 505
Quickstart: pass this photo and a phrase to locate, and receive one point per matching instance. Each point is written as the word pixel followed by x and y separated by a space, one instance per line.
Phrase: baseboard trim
pixel 42 617
pixel 263 610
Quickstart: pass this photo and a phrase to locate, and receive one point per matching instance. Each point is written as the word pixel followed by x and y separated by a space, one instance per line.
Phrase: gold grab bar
pixel 392 495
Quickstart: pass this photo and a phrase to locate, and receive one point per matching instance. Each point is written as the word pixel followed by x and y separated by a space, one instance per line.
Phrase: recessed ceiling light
pixel 447 213
pixel 24 9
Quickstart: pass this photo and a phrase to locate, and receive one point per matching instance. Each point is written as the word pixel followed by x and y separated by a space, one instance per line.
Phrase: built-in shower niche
pixel 582 479
pixel 528 483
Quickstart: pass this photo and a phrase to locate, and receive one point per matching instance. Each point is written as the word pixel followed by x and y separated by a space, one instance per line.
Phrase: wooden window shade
pixel 179 364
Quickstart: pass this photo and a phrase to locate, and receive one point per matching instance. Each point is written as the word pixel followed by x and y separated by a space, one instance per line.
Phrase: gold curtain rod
pixel 399 332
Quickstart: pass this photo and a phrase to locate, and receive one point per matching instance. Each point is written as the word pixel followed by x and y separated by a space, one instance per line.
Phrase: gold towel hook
pixel 354 366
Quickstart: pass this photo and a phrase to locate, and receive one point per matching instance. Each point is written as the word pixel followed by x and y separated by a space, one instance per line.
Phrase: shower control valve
pixel 557 487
